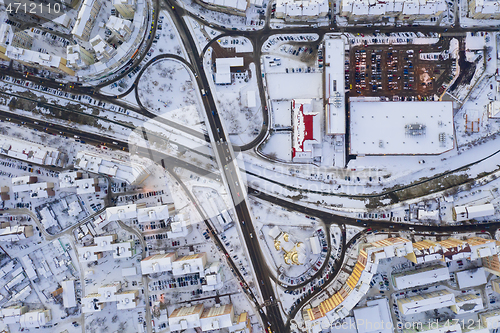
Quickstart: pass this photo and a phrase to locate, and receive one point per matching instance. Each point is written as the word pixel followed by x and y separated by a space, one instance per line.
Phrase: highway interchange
pixel 223 149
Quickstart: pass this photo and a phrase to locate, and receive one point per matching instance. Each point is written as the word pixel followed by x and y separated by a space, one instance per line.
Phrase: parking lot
pixel 395 71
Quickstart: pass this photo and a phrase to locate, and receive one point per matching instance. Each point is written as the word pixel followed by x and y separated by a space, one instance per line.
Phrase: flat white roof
pixel 401 128
pixel 69 297
pixel 335 85
pixel 421 277
pixel 223 67
pixel 368 319
pixel 471 278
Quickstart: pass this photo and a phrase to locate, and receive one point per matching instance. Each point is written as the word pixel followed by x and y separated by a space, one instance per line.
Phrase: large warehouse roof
pixel 401 128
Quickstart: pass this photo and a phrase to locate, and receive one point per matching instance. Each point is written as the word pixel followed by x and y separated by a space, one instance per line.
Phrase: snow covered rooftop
pixel 158 263
pixel 123 212
pixel 471 278
pixel 421 277
pixel 426 302
pixel 334 85
pixel 376 311
pixel 217 317
pixel 69 296
pixel 401 128
pixel 29 151
pixel 129 172
pixel 223 67
pixel 185 317
pixel 152 213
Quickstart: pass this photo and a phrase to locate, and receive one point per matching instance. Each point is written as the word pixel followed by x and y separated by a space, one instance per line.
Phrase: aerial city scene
pixel 250 166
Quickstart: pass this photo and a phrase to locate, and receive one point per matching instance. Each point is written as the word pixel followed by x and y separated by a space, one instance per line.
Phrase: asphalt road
pixel 224 152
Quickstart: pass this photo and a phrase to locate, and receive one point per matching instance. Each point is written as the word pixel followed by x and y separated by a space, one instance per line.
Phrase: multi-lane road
pixel 223 148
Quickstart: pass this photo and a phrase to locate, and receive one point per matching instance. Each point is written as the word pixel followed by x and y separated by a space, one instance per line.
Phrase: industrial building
pixel 463 213
pixel 400 128
pixel 420 277
pixel 223 69
pixel 335 113
pixel 306 138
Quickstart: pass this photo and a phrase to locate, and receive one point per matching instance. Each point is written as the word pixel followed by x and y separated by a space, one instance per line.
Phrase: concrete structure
pixel 369 318
pixel 69 295
pixel 4 193
pixel 420 277
pixel 103 51
pixel 69 178
pixel 357 284
pixel 78 58
pixel 126 8
pixel 15 233
pixel 335 85
pixel 406 10
pixel 87 185
pixel 185 317
pixel 490 320
pixel 241 324
pixel 158 263
pixel 20 39
pixel 214 276
pixel 467 303
pixel 131 172
pixel 193 263
pixel 106 244
pixel 143 215
pixel 30 152
pixel 494 109
pixel 401 128
pixel 178 227
pixel 315 245
pixel 110 293
pixel 484 9
pixel 121 29
pixel 425 302
pixel 12 314
pixel 463 213
pixel 306 139
pixel 36 190
pixel 120 213
pixel 223 69
pixel 38 60
pixel 301 10
pixel 237 7
pixel 85 20
pixel 35 319
pixel 340 304
pixel 155 213
pixel 217 318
